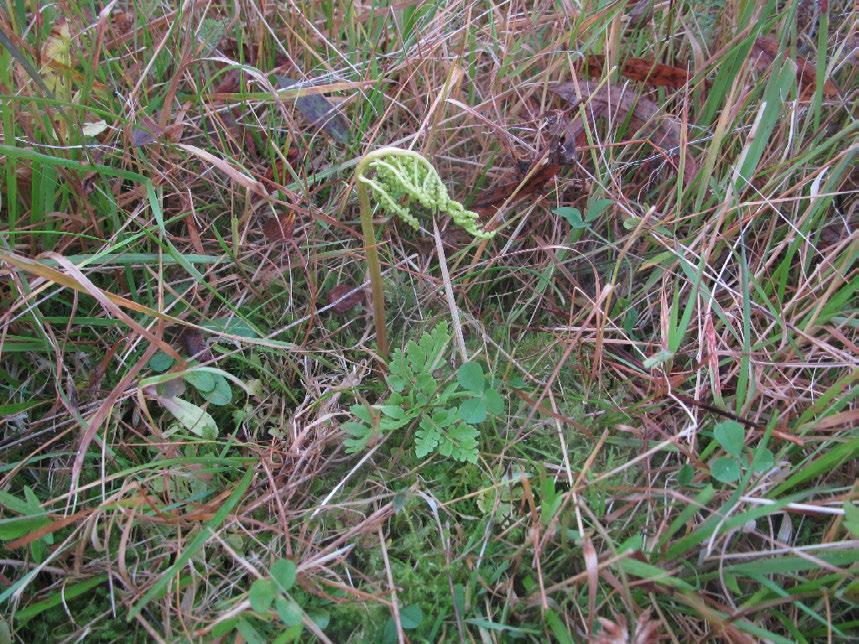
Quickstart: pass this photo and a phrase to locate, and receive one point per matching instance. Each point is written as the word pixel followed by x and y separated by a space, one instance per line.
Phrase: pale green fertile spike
pixel 412 176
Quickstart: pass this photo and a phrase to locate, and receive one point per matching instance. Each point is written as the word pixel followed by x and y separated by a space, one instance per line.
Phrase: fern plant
pixel 397 179
pixel 445 415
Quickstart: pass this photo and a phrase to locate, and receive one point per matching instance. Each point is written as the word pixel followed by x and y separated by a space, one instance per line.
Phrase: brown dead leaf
pixel 763 55
pixel 231 171
pixel 643 70
pixel 195 344
pixel 544 168
pixel 344 297
pixel 280 228
pixel 145 132
pixel 229 83
pixel 277 172
pixel 123 21
pixel 319 112
pixel 662 130
pixel 640 13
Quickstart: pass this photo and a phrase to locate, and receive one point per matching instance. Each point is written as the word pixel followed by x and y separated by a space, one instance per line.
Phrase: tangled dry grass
pixel 673 187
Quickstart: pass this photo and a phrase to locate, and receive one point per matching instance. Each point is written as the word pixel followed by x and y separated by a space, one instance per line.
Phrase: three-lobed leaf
pixel 360 436
pixel 418 396
pixel 283 572
pixel 460 443
pixel 762 461
pixel 221 394
pixel 573 216
pixel 427 437
pixel 731 436
pixel 262 594
pixel 725 469
pixel 470 376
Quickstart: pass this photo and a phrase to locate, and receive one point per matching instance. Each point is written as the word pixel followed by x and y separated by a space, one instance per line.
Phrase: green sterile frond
pixel 403 177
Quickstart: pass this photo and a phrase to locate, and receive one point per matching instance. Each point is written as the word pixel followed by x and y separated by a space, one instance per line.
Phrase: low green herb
pixel 446 413
pixel 270 596
pixel 731 437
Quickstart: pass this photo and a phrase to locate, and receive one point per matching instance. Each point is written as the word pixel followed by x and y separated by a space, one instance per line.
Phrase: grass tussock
pixel 637 422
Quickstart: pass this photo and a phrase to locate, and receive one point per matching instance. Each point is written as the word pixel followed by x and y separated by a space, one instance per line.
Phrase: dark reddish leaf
pixel 640 13
pixel 645 71
pixel 195 344
pixel 229 83
pixel 279 228
pixel 604 100
pixel 145 132
pixel 344 297
pixel 493 199
pixel 277 172
pixel 123 21
pixel 763 55
pixel 562 153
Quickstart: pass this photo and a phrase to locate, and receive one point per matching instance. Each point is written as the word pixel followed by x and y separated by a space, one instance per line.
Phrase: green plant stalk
pixel 402 174
pixel 375 270
pixel 373 265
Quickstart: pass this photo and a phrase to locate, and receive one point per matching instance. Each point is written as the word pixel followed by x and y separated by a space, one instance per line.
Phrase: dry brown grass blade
pixel 228 169
pixel 52 275
pixel 592 569
pixel 101 415
pixel 602 99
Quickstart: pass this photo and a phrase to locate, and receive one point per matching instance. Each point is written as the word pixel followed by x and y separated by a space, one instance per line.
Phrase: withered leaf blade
pixel 763 55
pixel 342 299
pixel 543 169
pixel 640 13
pixel 145 132
pixel 279 228
pixel 195 344
pixel 601 99
pixel 494 198
pixel 643 70
pixel 319 112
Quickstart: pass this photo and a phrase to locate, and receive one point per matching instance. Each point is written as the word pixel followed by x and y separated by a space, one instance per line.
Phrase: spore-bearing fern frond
pixel 407 174
pixel 401 177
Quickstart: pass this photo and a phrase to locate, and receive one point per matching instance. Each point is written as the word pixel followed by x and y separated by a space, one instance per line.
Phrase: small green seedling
pixel 731 436
pixel 268 597
pixel 402 177
pixel 573 216
pixel 210 383
pixel 212 386
pixel 445 415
